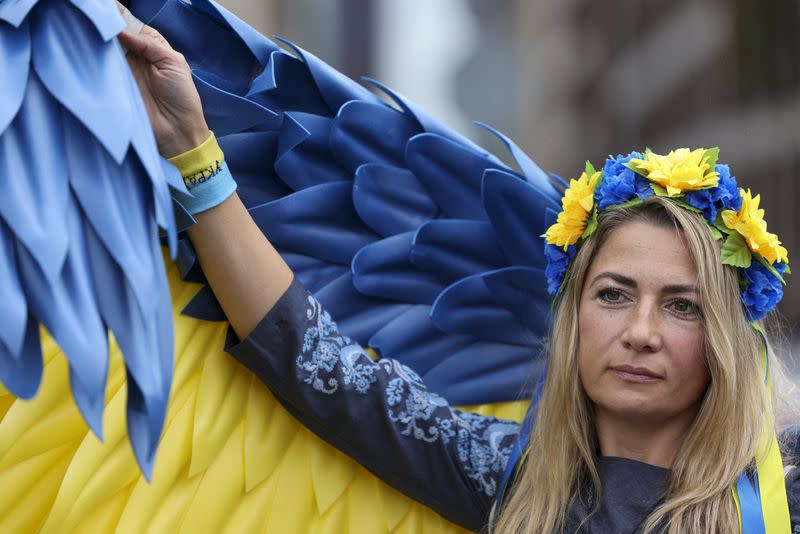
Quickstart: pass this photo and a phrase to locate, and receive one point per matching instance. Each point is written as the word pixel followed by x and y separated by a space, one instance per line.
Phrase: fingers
pixel 133 25
pixel 149 45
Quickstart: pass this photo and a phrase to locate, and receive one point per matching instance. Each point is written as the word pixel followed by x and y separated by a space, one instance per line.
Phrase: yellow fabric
pixel 769 466
pixel 771 481
pixel 230 460
pixel 199 161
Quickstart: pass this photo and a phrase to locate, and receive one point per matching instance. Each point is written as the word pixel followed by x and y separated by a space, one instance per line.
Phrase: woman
pixel 662 416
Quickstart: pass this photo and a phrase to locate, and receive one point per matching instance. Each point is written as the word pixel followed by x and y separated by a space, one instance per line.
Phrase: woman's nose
pixel 642 333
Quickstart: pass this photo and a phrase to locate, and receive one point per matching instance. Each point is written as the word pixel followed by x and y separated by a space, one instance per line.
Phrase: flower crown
pixel 693 180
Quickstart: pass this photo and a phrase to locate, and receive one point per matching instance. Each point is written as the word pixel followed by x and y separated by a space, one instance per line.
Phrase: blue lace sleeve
pixel 379 413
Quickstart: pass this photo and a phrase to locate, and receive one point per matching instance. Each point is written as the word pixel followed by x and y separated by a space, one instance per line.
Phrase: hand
pixel 165 82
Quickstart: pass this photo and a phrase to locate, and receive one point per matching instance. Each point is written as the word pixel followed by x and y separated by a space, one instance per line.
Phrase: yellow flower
pixel 750 223
pixel 678 171
pixel 576 205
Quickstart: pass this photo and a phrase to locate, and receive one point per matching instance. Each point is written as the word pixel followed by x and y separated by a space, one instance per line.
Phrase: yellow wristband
pixel 200 163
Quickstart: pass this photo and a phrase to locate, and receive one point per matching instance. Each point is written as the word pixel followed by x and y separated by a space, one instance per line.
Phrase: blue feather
pixel 137 333
pixel 304 157
pixel 518 213
pixel 336 88
pixel 533 173
pixel 13 306
pixel 227 112
pixel 285 84
pixel 15 58
pixel 204 306
pixel 21 371
pixel 487 372
pixel 15 11
pixel 319 222
pixel 358 316
pixel 314 273
pixel 383 269
pixel 68 309
pixel 471 307
pixel 413 340
pixel 364 132
pixel 104 15
pixel 35 207
pixel 455 248
pixel 80 70
pixel 450 172
pixel 391 200
pixel 428 123
pixel 116 204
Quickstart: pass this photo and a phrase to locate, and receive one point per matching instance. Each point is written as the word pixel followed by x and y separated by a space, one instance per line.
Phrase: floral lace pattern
pixel 329 362
pixel 328 349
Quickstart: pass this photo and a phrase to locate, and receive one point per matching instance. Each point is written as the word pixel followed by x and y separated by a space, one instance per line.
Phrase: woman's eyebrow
pixel 670 289
pixel 620 279
pixel 678 288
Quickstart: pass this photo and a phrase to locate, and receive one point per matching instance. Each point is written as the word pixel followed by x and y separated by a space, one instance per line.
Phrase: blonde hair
pixel 720 443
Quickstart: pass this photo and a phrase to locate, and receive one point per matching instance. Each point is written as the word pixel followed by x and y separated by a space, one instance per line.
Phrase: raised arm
pixel 379 413
pixel 246 273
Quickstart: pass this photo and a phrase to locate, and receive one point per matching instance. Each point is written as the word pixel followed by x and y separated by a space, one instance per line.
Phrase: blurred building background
pixel 572 80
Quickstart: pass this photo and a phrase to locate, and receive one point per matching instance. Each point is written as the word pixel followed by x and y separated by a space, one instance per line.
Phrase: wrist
pixel 182 142
pixel 205 174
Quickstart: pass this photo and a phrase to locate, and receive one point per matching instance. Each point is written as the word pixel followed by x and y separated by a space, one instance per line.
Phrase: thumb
pixel 148 44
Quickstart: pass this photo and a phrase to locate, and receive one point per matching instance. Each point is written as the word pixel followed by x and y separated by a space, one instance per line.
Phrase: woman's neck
pixel 654 442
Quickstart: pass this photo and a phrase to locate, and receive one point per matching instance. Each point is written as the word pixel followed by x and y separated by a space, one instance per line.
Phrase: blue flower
pixel 763 291
pixel 725 196
pixel 557 265
pixel 620 184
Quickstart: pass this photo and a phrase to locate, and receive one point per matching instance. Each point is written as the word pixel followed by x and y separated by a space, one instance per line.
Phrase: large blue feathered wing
pixel 421 244
pixel 84 192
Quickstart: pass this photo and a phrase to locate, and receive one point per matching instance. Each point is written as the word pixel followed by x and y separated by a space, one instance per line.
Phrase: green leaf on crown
pixel 713 156
pixel 591 226
pixel 659 191
pixel 716 233
pixel 589 169
pixel 630 203
pixel 735 252
pixel 685 205
pixel 769 267
pixel 719 224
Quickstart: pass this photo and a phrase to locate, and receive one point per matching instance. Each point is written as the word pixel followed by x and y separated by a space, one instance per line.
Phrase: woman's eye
pixel 685 307
pixel 611 295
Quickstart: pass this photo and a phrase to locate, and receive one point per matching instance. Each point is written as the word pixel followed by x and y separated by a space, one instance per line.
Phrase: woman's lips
pixel 639 375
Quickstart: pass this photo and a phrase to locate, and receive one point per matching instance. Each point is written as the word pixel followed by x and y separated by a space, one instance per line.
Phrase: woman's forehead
pixel 643 251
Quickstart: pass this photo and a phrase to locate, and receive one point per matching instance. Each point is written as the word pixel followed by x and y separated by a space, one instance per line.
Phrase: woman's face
pixel 640 350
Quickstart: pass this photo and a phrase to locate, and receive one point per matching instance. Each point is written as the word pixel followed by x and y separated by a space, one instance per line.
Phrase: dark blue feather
pixel 358 316
pixel 319 222
pixel 450 172
pixel 391 200
pixel 227 112
pixel 336 88
pixel 286 85
pixel 304 157
pixel 469 306
pixel 518 212
pixel 383 269
pixel 364 132
pixel 455 248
